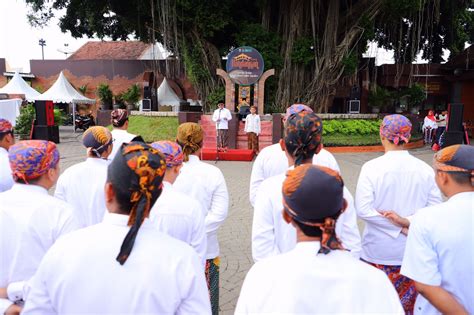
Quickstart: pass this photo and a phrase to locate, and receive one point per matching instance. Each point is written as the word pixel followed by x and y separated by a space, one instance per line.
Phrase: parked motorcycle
pixel 84 122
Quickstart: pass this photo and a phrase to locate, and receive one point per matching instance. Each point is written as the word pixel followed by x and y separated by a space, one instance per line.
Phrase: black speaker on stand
pixel 44 128
pixel 454 128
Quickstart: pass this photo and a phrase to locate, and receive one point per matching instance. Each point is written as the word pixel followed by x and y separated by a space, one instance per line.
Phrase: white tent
pixel 166 95
pixel 18 86
pixel 63 92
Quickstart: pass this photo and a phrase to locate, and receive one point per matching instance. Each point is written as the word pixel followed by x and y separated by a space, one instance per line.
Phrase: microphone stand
pixel 217 137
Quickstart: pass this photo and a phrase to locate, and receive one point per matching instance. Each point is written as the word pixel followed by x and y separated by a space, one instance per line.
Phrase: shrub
pixel 24 121
pixel 351 126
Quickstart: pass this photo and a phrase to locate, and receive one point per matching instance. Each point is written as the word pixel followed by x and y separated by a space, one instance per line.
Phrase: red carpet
pixel 230 155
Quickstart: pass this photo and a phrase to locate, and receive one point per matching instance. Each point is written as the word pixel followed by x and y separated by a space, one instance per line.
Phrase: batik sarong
pixel 212 278
pixel 252 139
pixel 405 286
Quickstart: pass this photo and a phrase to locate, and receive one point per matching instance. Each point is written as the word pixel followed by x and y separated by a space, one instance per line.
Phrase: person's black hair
pixel 122 193
pixel 461 178
pixel 312 231
pixel 121 123
pixel 4 134
pixel 400 143
pixel 138 138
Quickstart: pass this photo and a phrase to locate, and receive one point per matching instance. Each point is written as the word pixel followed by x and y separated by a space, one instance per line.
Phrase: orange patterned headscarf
pixel 313 197
pixel 142 169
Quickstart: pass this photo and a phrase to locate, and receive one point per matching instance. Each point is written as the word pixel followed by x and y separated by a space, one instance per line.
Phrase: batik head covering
pixel 313 196
pixel 303 132
pixel 395 128
pixel 456 158
pixel 190 136
pixel 296 108
pixel 5 126
pixel 172 152
pixel 97 139
pixel 32 158
pixel 119 117
pixel 138 170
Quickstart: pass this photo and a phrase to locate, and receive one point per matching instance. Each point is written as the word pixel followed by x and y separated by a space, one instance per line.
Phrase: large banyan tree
pixel 312 44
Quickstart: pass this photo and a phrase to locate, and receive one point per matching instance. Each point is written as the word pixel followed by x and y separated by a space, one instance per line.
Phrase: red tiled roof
pixel 110 50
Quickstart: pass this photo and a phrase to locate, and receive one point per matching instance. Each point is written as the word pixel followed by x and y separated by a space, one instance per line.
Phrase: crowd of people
pixel 141 238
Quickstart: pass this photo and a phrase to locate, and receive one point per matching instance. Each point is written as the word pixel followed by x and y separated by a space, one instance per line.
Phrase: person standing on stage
pixel 221 117
pixel 253 129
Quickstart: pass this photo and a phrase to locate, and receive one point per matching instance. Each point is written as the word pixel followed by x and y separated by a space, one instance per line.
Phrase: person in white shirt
pixel 441 123
pixel 119 119
pixel 439 255
pixel 253 129
pixel 82 184
pixel 272 160
pixel 221 117
pixel 30 219
pixel 270 233
pixel 318 276
pixel 175 213
pixel 153 272
pixel 399 182
pixel 205 183
pixel 429 127
pixel 7 139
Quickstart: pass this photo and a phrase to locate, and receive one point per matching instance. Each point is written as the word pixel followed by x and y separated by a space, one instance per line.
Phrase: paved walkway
pixel 235 233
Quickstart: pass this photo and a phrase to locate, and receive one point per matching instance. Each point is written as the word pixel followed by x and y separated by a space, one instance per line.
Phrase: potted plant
pixel 105 95
pixel 415 96
pixel 379 97
pixel 132 96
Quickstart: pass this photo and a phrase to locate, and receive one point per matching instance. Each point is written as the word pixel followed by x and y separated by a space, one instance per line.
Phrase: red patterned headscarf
pixel 32 158
pixel 137 169
pixel 396 128
pixel 172 152
pixel 313 197
pixel 5 126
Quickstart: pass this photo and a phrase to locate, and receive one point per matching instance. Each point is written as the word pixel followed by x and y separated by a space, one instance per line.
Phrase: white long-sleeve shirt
pixel 80 275
pixel 223 115
pixel 429 123
pixel 119 137
pixel 272 161
pixel 440 251
pixel 30 222
pixel 305 282
pixel 206 184
pixel 271 235
pixel 6 178
pixel 181 217
pixel 395 181
pixel 82 186
pixel 252 124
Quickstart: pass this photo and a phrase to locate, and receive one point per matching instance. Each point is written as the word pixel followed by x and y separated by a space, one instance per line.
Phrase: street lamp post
pixel 42 43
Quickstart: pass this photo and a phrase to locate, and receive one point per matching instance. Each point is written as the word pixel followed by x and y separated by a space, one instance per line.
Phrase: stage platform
pixel 230 155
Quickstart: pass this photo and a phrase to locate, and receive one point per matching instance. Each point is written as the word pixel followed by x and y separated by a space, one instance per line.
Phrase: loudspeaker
pixel 455 116
pixel 453 137
pixel 147 92
pixel 146 105
pixel 50 133
pixel 44 113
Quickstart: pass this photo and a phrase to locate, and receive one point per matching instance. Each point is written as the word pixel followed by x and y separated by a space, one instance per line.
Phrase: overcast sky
pixel 19 41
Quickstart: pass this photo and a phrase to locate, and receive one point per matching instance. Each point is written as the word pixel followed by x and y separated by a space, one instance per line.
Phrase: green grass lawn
pixel 336 140
pixel 154 128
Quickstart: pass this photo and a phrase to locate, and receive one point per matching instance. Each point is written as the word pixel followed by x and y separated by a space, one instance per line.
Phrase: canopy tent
pixel 63 92
pixel 10 109
pixel 19 86
pixel 167 97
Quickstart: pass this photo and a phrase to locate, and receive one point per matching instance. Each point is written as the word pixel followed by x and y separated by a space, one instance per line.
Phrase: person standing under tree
pixel 252 128
pixel 221 117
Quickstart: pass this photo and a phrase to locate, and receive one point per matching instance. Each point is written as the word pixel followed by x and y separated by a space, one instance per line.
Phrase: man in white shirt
pixel 272 160
pixel 252 128
pixel 399 182
pixel 317 276
pixel 119 119
pixel 221 117
pixel 205 183
pixel 175 213
pixel 7 139
pixel 82 184
pixel 153 272
pixel 270 233
pixel 30 219
pixel 439 254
